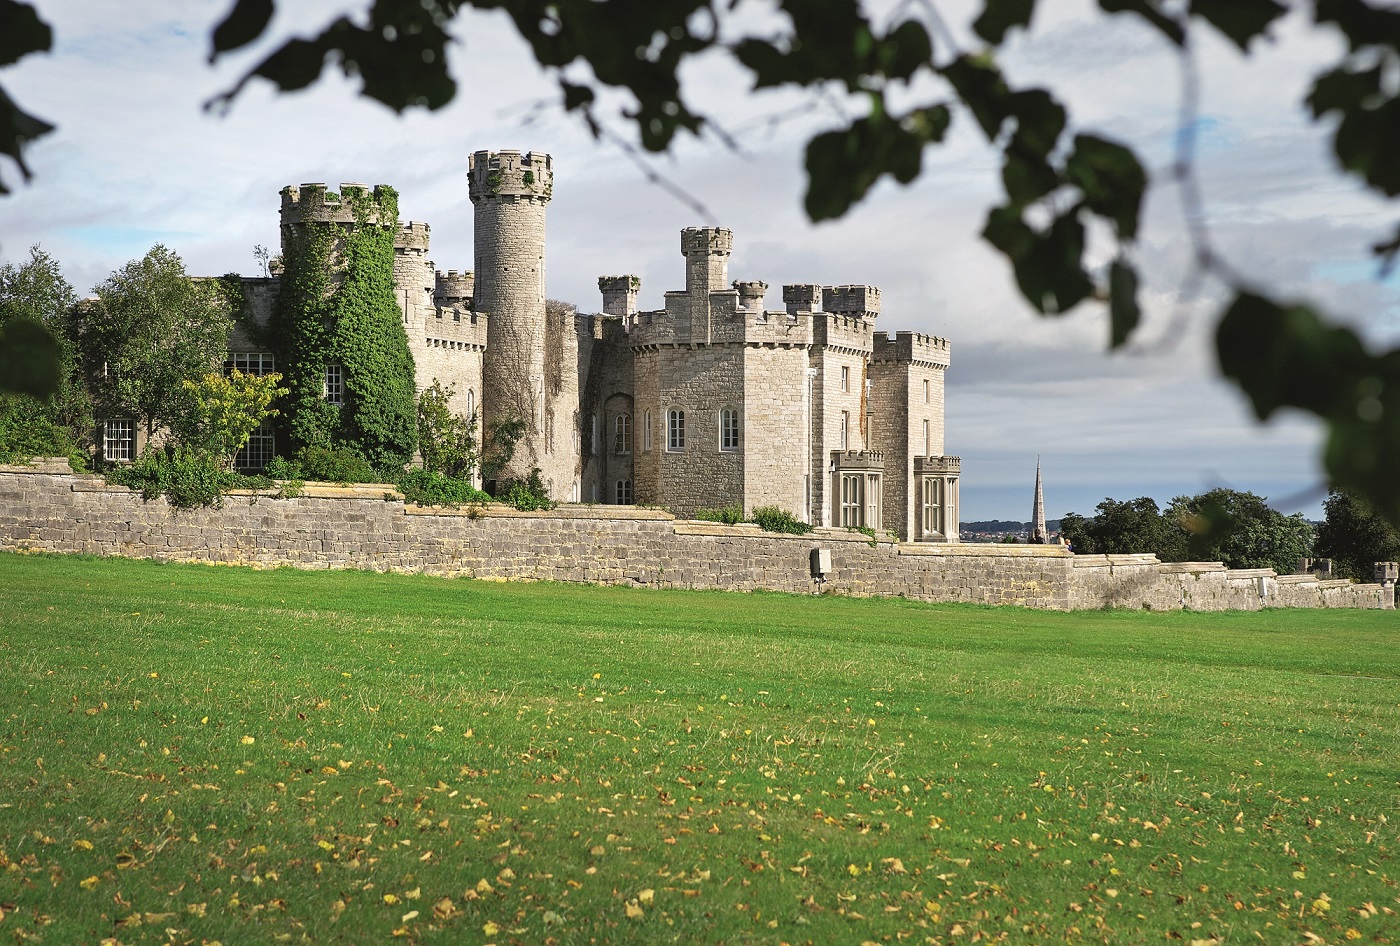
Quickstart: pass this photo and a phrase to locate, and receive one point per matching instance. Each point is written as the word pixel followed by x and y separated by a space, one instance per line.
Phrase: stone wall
pixel 369 527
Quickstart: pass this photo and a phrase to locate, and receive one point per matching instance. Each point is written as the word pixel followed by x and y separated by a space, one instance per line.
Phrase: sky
pixel 137 160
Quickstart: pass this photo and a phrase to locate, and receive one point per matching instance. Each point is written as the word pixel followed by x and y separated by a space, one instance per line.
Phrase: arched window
pixel 729 429
pixel 675 430
pixel 622 434
pixel 646 430
pixel 471 403
pixel 624 492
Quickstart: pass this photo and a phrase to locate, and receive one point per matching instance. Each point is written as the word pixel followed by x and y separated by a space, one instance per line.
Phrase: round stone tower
pixel 522 374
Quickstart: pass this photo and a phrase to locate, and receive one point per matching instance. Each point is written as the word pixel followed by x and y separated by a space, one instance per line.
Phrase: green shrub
pixel 525 495
pixel 426 488
pixel 773 519
pixel 185 478
pixel 334 465
pixel 730 515
pixel 282 469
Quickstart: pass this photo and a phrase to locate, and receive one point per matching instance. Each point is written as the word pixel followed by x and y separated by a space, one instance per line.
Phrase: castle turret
pixel 509 191
pixel 454 289
pixel 619 294
pixel 706 251
pixel 801 298
pixel 751 295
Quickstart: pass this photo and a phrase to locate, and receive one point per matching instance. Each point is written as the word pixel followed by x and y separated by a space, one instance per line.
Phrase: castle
pixel 712 401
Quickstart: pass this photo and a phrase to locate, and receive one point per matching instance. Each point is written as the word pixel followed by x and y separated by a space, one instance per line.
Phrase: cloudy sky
pixel 136 160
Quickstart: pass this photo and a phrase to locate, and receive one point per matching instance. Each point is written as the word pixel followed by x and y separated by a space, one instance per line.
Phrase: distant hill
pixel 1004 525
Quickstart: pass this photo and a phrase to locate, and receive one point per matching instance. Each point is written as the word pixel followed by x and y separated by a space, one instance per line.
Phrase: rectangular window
pixel 118 441
pixel 845 378
pixel 646 431
pixel 675 430
pixel 622 434
pixel 334 388
pixel 925 390
pixel 872 500
pixel 729 429
pixel 926 440
pixel 259 450
pixel 845 430
pixel 852 500
pixel 624 492
pixel 250 362
pixel 933 505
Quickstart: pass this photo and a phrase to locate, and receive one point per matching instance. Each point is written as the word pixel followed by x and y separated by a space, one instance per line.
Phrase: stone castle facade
pixel 711 401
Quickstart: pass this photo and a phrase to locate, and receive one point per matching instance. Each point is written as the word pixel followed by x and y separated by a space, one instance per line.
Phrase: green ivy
pixel 337 305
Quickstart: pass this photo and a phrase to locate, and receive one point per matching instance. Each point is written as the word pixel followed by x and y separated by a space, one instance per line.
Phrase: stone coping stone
pixel 1299 580
pixel 1341 583
pixel 1251 573
pixel 1191 568
pixel 1096 560
pixel 503 511
pixel 39 465
pixel 983 550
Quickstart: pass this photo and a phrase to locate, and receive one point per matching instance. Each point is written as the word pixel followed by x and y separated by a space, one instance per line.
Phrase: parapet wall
pixel 912 347
pixel 44 509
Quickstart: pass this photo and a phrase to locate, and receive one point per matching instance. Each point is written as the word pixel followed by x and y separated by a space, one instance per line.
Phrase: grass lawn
pixel 192 754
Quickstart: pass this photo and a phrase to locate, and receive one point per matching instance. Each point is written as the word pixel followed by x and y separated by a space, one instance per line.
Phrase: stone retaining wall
pixel 45 508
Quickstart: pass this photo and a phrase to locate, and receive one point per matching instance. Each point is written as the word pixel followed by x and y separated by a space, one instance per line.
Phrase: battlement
pixel 801 297
pixel 412 236
pixel 454 289
pixel 852 300
pixel 911 347
pixel 453 328
pixel 619 294
pixel 835 330
pixel 510 175
pixel 751 294
pixel 701 241
pixel 937 465
pixel 857 460
pixel 313 203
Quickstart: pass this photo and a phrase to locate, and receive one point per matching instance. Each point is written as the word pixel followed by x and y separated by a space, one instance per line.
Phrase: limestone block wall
pixel 773 419
pixel 44 509
pixel 701 382
pixel 259 297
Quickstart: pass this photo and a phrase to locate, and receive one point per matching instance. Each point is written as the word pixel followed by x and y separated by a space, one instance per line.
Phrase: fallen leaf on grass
pixel 634 910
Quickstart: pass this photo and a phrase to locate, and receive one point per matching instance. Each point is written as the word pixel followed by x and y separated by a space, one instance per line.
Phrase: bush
pixel 773 519
pixel 334 465
pixel 525 495
pixel 282 469
pixel 730 515
pixel 426 488
pixel 185 478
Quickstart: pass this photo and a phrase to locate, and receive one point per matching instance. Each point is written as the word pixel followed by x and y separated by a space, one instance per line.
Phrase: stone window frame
pixel 932 505
pixel 675 430
pixel 873 489
pixel 927 440
pixel 261 447
pixel 119 440
pixel 471 404
pixel 845 430
pixel 729 430
pixel 845 379
pixel 622 493
pixel 926 390
pixel 333 384
pixel 622 434
pixel 646 431
pixel 851 500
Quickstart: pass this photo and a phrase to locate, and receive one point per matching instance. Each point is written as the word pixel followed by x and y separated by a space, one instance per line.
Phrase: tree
pixel 1121 528
pixel 446 441
pixel 1241 530
pixel 221 412
pixel 46 406
pixel 150 329
pixel 1058 183
pixel 1354 537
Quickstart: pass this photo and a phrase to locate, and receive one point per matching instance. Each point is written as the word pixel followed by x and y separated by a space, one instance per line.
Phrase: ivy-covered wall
pixel 337 306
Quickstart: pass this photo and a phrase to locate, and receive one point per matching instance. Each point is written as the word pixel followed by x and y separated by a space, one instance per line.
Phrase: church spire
pixel 1039 534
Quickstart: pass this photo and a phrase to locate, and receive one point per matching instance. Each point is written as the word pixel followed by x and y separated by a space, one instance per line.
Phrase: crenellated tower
pixel 523 368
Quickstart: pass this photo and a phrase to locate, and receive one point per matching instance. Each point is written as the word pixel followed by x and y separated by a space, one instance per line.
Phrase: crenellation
pixel 912 347
pixel 859 301
pixel 453 289
pixel 802 298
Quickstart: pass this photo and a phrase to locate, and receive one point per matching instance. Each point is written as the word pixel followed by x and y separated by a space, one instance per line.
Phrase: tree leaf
pixel 1112 180
pixel 1240 20
pixel 30 358
pixel 1146 9
pixel 1123 310
pixel 244 23
pixel 21 32
pixel 17 129
pixel 999 16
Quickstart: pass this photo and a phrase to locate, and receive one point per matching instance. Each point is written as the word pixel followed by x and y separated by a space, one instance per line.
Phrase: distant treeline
pixel 1005 525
